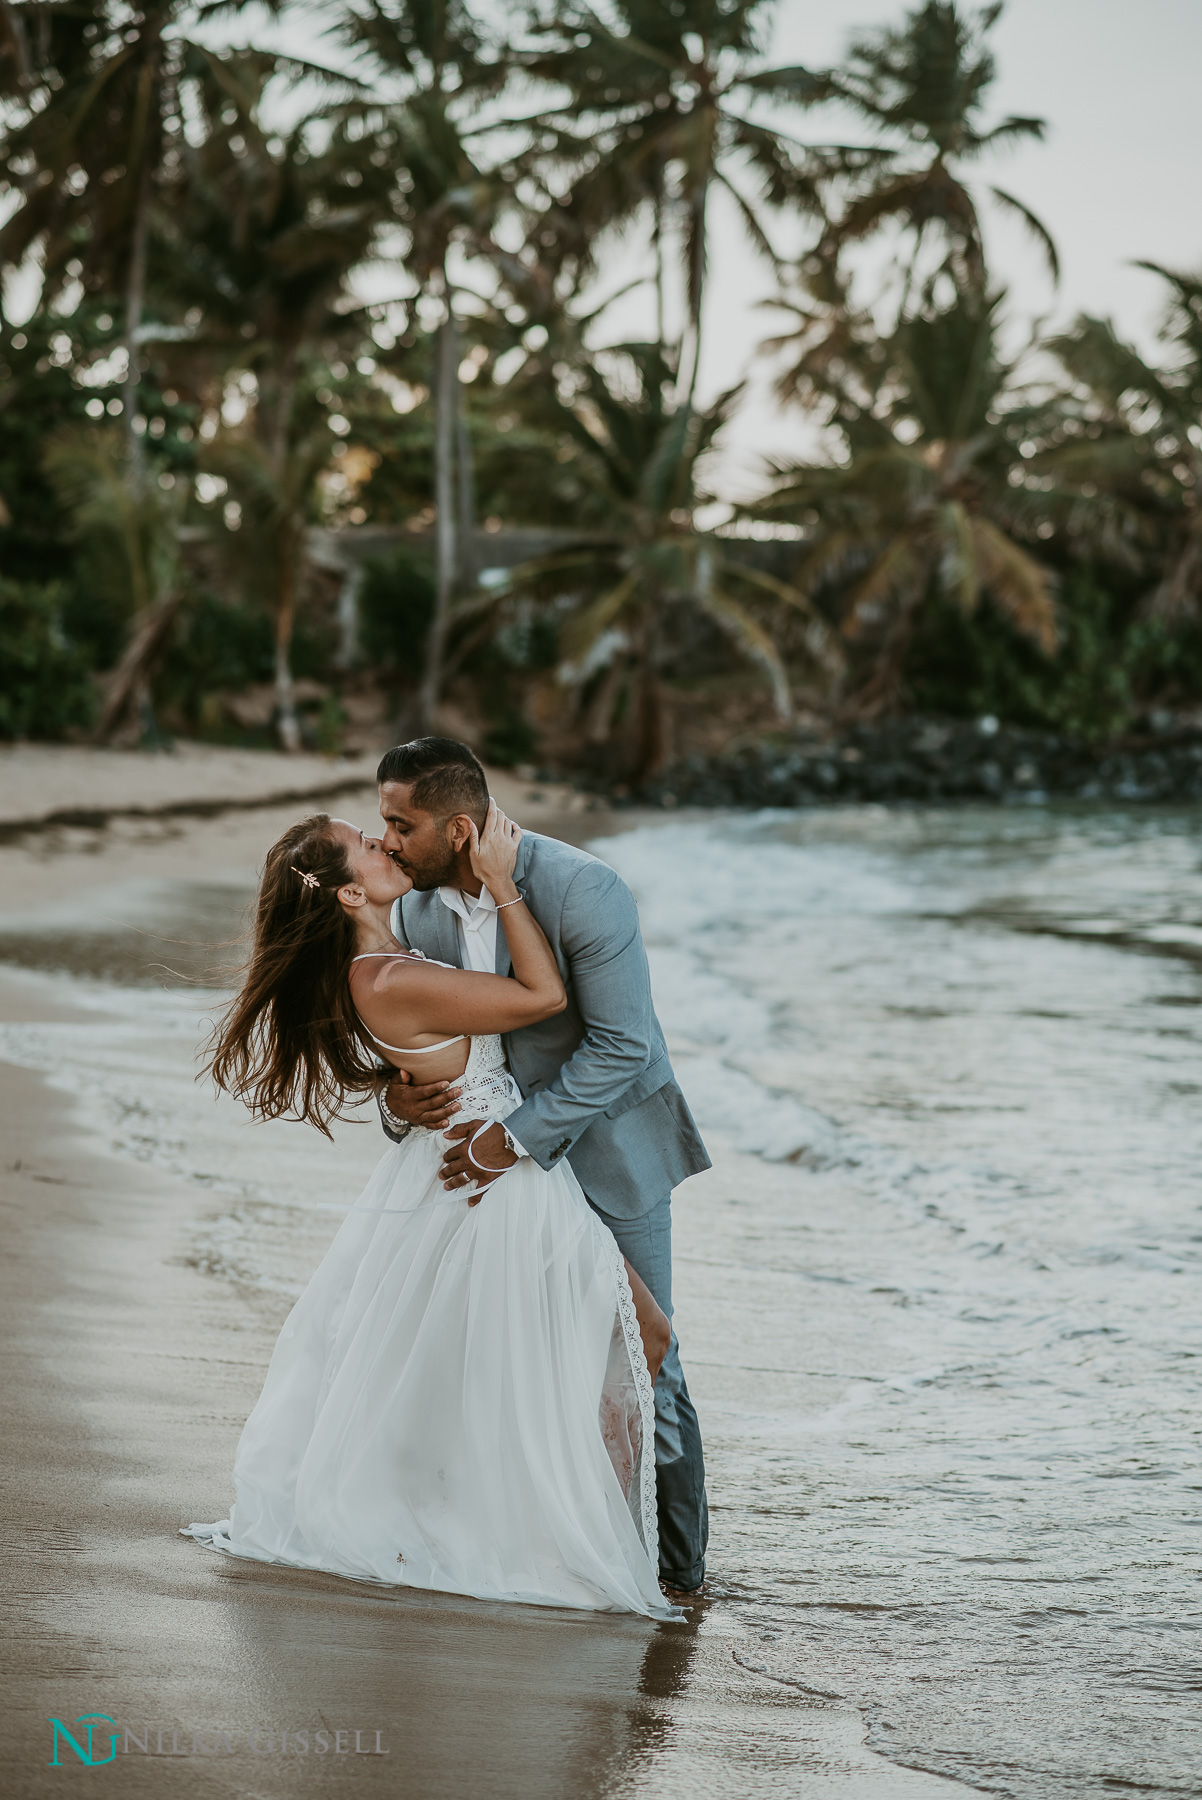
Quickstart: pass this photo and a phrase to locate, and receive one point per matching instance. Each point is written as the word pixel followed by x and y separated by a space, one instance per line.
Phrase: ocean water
pixel 938 1302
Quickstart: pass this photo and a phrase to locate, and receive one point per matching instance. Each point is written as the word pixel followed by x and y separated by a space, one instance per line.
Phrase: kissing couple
pixel 480 1390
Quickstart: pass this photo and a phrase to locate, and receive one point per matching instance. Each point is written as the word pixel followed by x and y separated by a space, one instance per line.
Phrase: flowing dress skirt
pixel 459 1400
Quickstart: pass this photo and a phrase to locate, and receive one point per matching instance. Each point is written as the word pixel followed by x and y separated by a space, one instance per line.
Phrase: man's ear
pixel 459 831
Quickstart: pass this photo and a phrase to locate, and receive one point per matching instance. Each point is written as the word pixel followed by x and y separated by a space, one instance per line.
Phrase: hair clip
pixel 310 881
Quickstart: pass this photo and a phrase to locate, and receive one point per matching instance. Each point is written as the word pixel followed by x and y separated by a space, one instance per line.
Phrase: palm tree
pixel 923 90
pixel 635 453
pixel 929 493
pixel 446 67
pixel 97 141
pixel 1122 449
pixel 268 229
pixel 97 151
pixel 266 553
pixel 656 119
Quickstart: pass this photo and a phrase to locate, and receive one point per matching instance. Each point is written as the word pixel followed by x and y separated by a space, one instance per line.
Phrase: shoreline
pixel 122 883
pixel 61 788
pixel 65 799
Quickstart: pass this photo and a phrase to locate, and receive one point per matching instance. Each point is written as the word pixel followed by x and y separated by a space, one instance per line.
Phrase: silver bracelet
pixel 505 903
pixel 401 1126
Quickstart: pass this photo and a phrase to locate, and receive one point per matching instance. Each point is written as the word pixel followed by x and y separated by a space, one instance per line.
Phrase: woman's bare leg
pixel 654 1327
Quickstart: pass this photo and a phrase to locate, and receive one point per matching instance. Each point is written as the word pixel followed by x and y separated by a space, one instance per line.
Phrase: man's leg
pixel 646 1244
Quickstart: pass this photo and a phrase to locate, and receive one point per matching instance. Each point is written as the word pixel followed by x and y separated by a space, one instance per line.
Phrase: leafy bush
pixel 1103 670
pixel 44 685
pixel 217 644
pixel 94 618
pixel 42 396
pixel 510 741
pixel 396 605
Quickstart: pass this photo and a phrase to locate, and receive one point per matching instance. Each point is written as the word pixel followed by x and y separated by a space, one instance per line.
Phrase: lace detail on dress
pixel 487 1089
pixel 640 1494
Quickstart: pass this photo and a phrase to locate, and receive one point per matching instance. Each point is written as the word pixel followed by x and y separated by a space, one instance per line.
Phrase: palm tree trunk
pixel 287 723
pixel 599 712
pixel 880 692
pixel 280 410
pixel 446 409
pixel 650 709
pixel 135 295
pixel 466 519
pixel 650 727
pixel 291 541
pixel 697 260
pixel 657 235
pixel 135 280
pixel 129 684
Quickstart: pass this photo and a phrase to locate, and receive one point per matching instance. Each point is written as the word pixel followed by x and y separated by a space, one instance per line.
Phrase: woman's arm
pixel 411 1000
pixel 415 999
pixel 494 855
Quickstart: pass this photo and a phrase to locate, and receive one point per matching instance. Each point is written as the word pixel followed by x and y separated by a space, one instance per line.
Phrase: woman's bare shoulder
pixel 398 973
pixel 382 974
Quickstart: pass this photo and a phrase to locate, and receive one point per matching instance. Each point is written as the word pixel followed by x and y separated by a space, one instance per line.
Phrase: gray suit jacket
pixel 596 1081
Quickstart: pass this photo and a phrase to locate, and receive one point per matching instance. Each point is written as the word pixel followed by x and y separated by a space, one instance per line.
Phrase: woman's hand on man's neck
pixel 466 880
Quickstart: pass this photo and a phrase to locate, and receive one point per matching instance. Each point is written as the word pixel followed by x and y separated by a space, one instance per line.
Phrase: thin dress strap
pixel 402 1049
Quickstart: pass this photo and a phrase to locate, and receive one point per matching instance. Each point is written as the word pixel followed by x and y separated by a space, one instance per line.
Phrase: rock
pixel 934 760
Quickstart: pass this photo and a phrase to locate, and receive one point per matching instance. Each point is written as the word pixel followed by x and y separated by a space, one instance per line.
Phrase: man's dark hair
pixel 442 775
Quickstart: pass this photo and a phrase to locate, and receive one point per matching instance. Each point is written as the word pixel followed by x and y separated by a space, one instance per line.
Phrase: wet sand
pixel 128 1374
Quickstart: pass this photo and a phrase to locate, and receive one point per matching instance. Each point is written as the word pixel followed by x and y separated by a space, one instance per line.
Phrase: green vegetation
pixel 316 426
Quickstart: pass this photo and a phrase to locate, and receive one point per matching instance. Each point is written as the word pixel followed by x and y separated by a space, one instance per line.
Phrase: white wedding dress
pixel 459 1400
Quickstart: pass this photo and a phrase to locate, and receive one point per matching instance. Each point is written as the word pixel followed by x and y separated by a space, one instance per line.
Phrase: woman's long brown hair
pixel 290 1044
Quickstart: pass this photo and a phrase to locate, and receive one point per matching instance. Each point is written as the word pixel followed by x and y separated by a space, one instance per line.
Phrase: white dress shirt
pixel 476 923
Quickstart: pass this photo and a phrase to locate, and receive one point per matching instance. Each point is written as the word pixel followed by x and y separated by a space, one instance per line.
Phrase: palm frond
pixel 1019 586
pixel 820 641
pixel 755 229
pixel 789 83
pixel 662 469
pixel 894 567
pixel 1035 226
pixel 583 630
pixel 753 640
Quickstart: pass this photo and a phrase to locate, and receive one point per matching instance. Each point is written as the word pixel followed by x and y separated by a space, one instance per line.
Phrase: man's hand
pixel 430 1105
pixel 458 1170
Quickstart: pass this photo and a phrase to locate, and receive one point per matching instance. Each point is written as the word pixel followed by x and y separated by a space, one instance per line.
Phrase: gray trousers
pixel 646 1244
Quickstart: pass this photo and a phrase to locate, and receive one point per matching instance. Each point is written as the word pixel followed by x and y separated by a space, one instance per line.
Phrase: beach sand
pixel 128 1374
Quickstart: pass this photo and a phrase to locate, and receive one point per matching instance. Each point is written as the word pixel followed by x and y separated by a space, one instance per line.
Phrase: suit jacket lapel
pixel 503 962
pixel 429 926
pixel 446 931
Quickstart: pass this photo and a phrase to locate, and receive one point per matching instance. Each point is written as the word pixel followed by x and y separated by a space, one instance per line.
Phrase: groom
pixel 596 1083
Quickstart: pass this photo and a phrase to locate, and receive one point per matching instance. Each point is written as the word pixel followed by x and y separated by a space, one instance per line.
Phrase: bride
pixel 461 1399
